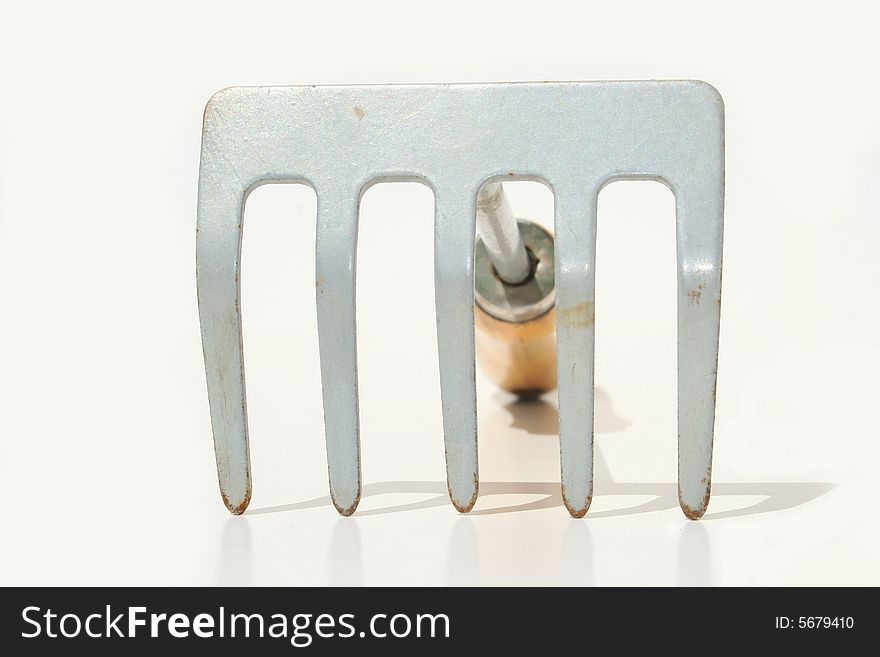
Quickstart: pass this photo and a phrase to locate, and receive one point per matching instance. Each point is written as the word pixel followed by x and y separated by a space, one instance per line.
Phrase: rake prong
pixel 699 219
pixel 575 297
pixel 217 264
pixel 454 230
pixel 335 273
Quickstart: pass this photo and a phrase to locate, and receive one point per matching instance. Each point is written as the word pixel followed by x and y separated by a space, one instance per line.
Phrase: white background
pixel 107 470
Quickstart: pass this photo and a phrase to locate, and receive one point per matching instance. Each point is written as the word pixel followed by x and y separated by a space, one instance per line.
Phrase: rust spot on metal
pixel 350 509
pixel 236 510
pixel 465 508
pixel 347 511
pixel 694 295
pixel 359 112
pixel 462 508
pixel 320 284
pixel 577 513
pixel 580 315
pixel 695 513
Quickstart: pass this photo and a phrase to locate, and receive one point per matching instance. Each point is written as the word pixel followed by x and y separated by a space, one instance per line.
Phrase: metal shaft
pixel 497 228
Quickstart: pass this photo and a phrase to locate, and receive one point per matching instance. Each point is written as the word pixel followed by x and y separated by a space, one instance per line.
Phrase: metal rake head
pixel 574 136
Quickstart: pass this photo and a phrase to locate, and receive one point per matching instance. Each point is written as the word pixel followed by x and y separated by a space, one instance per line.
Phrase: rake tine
pixel 455 223
pixel 575 303
pixel 699 212
pixel 335 273
pixel 218 246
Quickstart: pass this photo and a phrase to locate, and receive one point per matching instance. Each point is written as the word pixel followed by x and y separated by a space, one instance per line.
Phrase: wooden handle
pixel 520 357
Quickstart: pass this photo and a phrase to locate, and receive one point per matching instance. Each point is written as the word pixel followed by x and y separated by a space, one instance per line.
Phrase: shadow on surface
pixel 779 497
pixel 539 417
